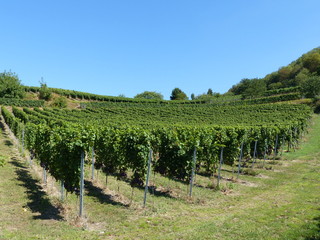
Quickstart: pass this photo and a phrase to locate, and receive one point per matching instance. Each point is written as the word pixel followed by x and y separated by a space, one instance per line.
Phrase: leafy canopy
pixel 293 75
pixel 178 94
pixel 150 95
pixel 311 87
pixel 10 86
pixel 255 88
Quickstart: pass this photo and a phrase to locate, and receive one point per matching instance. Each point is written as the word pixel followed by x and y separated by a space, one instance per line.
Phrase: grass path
pixel 283 203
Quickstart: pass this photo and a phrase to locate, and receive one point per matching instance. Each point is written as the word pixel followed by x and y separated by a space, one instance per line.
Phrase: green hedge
pixel 21 102
pixel 14 123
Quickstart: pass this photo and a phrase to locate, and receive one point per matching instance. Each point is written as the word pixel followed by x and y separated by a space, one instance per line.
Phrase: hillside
pixel 279 203
pixel 76 165
pixel 292 76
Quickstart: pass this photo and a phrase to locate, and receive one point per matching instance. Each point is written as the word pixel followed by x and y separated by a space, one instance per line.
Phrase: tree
pixel 10 86
pixel 177 94
pixel 210 92
pixel 285 73
pixel 312 62
pixel 255 88
pixel 311 87
pixel 193 96
pixel 240 87
pixel 302 76
pixel 276 85
pixel 207 96
pixel 150 95
pixel 44 93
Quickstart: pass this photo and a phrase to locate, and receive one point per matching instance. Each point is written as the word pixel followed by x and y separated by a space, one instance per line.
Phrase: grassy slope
pixel 283 203
pixel 26 212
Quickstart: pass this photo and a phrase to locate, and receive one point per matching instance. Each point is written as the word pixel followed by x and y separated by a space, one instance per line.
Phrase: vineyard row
pixel 120 149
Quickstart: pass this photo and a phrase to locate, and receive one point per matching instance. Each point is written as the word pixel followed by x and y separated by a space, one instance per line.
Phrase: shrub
pixel 60 102
pixel 45 93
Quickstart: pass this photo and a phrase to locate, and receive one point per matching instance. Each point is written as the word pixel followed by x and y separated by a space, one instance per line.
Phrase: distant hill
pixel 292 75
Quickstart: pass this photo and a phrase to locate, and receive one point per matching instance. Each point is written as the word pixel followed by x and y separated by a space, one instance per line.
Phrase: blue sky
pixel 113 47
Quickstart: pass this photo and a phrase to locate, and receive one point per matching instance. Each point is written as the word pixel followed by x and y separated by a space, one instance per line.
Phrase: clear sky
pixel 113 47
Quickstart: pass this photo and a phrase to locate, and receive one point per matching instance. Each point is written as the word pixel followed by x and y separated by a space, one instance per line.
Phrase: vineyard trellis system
pixel 122 136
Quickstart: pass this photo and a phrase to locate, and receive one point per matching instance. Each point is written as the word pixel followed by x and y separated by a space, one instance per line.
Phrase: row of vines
pixel 122 148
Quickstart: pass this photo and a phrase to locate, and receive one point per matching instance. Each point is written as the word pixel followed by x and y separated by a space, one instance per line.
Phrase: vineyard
pixel 172 147
pixel 121 135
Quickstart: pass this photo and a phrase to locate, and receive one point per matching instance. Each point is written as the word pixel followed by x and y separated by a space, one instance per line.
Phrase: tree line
pixel 303 73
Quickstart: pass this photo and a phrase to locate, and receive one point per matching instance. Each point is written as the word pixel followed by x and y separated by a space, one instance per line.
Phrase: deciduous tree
pixel 150 95
pixel 311 87
pixel 10 86
pixel 178 94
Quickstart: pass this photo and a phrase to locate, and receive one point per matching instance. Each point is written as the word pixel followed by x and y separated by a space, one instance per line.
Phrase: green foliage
pixel 285 73
pixel 311 87
pixel 240 87
pixel 317 105
pixel 302 76
pixel 60 102
pixel 59 148
pixel 45 93
pixel 178 94
pixel 14 123
pixel 312 62
pixel 21 102
pixel 208 97
pixel 20 114
pixel 150 95
pixel 81 95
pixel 122 141
pixel 106 99
pixel 282 91
pixel 10 86
pixel 2 160
pixel 275 86
pixel 271 99
pixel 255 88
pixel 292 75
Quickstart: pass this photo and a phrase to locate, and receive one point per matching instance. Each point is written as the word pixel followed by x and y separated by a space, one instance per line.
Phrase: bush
pixel 45 93
pixel 60 102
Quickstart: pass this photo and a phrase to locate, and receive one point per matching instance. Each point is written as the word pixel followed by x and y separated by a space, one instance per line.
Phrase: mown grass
pixel 280 203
